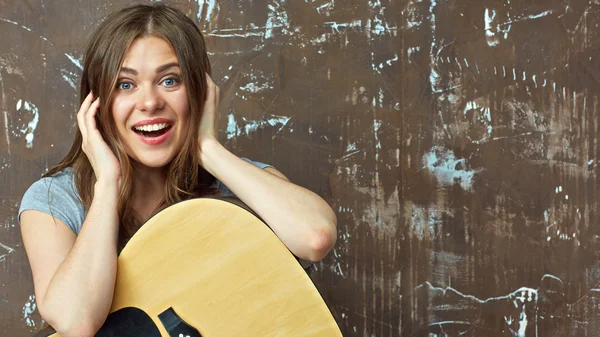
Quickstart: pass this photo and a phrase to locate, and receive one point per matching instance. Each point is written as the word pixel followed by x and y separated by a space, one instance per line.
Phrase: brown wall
pixel 456 140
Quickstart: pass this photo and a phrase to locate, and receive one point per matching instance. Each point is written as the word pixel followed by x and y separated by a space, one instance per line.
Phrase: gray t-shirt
pixel 58 197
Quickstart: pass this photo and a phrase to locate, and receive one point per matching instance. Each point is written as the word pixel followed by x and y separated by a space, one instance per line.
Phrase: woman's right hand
pixel 103 160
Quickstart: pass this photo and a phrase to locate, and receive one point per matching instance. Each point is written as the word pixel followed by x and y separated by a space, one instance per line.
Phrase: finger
pixel 209 79
pixel 85 105
pixel 81 125
pixel 209 89
pixel 81 113
pixel 217 114
pixel 217 94
pixel 90 122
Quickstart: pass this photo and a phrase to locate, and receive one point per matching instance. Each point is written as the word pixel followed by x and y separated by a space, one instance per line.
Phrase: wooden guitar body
pixel 209 268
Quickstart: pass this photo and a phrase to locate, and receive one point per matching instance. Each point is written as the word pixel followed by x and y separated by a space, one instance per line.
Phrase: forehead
pixel 148 52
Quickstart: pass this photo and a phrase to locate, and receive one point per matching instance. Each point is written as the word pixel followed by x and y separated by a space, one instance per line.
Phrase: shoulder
pixel 55 195
pixel 59 182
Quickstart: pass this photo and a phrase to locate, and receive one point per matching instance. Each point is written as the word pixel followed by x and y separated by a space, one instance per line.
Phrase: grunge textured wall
pixel 457 140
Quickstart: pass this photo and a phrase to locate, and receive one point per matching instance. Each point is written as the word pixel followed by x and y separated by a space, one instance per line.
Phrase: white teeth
pixel 151 127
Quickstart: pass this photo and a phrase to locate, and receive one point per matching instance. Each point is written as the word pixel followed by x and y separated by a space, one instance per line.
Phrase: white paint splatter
pixel 234 130
pixel 377 25
pixel 26 28
pixel 410 51
pixel 559 222
pixel 490 36
pixel 356 94
pixel 434 76
pixel 483 116
pixel 31 126
pixel 320 40
pixel 336 26
pixel 276 18
pixel 74 60
pixel 412 17
pixel 338 269
pixel 210 6
pixel 7 251
pixel 253 88
pixel 351 150
pixel 28 309
pixel 326 8
pixel 493 29
pixel 425 222
pixel 69 77
pixel 447 169
pixel 4 165
pixel 389 62
pixel 4 110
pixel 537 16
pixel 526 295
pixel 376 127
pixel 521 298
pixel 221 33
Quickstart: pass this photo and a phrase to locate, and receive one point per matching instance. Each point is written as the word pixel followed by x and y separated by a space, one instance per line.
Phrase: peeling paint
pixel 28 309
pixel 4 251
pixel 234 130
pixel 455 141
pixel 29 130
pixel 447 169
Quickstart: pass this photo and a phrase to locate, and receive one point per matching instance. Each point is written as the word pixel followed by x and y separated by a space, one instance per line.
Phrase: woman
pixel 146 140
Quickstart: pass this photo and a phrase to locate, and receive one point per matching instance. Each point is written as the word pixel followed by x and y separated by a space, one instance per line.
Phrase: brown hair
pixel 102 63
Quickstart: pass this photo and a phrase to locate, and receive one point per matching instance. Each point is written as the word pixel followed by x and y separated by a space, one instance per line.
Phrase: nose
pixel 149 99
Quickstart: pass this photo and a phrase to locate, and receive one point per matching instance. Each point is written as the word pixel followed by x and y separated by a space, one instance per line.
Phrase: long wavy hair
pixel 102 62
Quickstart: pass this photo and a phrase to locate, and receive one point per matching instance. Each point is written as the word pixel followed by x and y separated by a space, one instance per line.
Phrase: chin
pixel 156 161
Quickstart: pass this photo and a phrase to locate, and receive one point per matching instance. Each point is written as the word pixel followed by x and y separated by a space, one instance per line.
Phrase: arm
pixel 300 218
pixel 74 276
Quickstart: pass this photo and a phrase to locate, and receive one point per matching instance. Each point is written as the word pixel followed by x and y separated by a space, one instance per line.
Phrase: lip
pixel 152 121
pixel 155 140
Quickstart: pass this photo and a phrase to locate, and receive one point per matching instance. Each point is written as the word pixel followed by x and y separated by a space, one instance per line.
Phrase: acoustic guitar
pixel 210 268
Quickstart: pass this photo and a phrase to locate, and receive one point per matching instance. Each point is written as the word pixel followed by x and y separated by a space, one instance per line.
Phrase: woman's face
pixel 151 107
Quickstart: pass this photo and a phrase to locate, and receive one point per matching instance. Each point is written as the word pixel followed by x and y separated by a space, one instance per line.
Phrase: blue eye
pixel 169 82
pixel 124 86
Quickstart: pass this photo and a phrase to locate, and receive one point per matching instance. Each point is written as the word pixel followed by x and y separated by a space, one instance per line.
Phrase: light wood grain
pixel 223 271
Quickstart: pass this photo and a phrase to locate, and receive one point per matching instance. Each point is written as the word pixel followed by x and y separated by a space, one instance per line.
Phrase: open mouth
pixel 152 131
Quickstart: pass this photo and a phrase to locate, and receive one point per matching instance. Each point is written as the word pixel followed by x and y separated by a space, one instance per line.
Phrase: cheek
pixel 183 107
pixel 183 114
pixel 120 112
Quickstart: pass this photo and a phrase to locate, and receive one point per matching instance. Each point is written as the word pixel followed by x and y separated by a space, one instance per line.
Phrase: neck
pixel 147 179
pixel 148 188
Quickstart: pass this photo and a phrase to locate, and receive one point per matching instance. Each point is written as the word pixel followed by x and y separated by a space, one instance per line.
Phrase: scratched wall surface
pixel 456 140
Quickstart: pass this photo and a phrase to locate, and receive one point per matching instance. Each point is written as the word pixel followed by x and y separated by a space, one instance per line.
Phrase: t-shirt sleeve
pixel 56 197
pixel 225 191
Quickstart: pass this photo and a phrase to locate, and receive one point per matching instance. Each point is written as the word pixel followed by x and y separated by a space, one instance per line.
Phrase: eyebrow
pixel 158 70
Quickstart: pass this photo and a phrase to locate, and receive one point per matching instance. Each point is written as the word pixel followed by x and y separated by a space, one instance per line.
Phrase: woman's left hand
pixel 210 115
